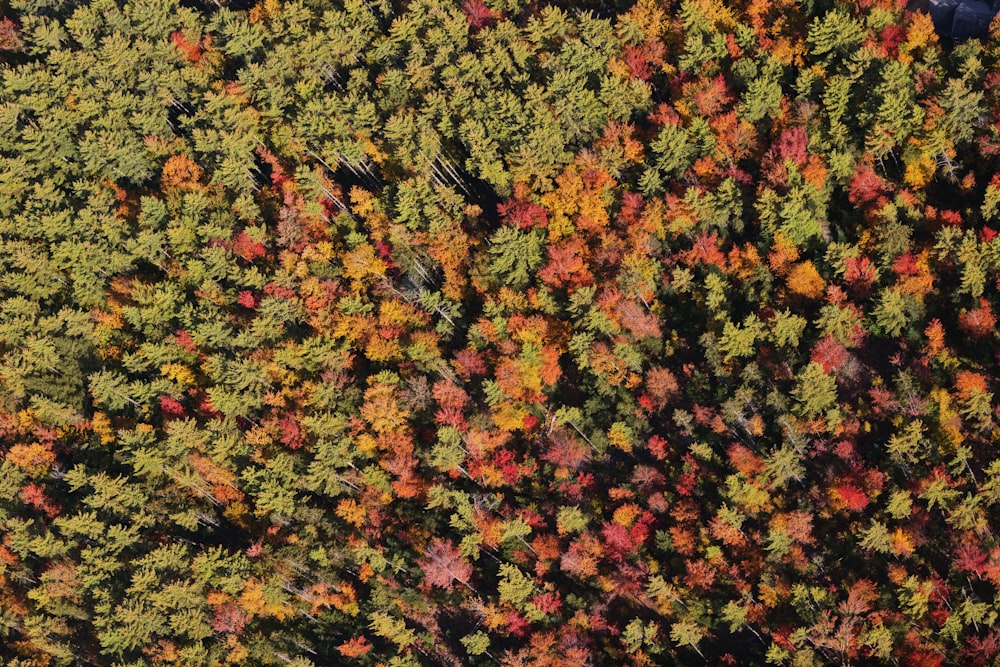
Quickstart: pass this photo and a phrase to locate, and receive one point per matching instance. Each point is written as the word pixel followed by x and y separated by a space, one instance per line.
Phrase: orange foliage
pixel 606 364
pixel 355 647
pixel 661 385
pixel 706 249
pixel 191 51
pixel 744 461
pixel 567 266
pixel 35 457
pixel 735 138
pixel 582 557
pixel 969 384
pixel 350 511
pixel 921 33
pixel 744 262
pixel 901 543
pixel 180 171
pixel 257 601
pixel 783 253
pixel 805 280
pixel 919 281
pixel 581 200
pixel 708 97
pixel 684 540
pixel 450 248
pixel 222 481
pixel 620 138
pixel 726 533
pixel 978 322
pixel 815 172
pixel 381 410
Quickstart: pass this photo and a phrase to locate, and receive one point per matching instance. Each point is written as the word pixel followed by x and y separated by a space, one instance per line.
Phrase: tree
pixel 835 33
pixel 815 390
pixel 516 255
pixel 445 565
pixel 429 333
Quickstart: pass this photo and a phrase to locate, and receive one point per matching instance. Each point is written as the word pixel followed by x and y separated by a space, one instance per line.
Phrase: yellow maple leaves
pixel 381 411
pixel 921 33
pixel 509 416
pixel 34 457
pixel 580 201
pixel 181 172
pixel 900 543
pixel 805 280
pixel 626 514
pixel 361 265
pixel 621 436
pixel 350 511
pixel 179 373
pixel 101 425
pixel 260 600
pixel 919 170
pixel 264 10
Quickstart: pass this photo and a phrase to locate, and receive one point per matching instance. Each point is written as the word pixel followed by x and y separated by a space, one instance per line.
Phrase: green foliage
pixel 477 643
pixel 515 257
pixel 815 390
pixel 514 586
pixel 835 33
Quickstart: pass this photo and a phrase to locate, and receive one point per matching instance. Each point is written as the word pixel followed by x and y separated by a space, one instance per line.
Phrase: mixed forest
pixel 512 332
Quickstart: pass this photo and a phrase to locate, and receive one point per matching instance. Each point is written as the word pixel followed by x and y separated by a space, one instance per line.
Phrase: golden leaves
pixel 350 511
pixel 381 411
pixel 258 600
pixel 100 423
pixel 580 201
pixel 181 172
pixel 626 514
pixel 266 9
pixel 35 457
pixel 361 265
pixel 179 373
pixel 919 169
pixel 805 280
pixel 901 543
pixel 920 34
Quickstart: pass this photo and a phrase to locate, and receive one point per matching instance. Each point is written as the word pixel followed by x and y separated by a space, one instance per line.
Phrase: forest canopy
pixel 497 333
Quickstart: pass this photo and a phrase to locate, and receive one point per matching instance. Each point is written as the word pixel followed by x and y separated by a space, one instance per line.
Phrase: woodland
pixel 505 332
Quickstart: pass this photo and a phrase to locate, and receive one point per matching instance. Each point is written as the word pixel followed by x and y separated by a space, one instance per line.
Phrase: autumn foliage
pixel 497 333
